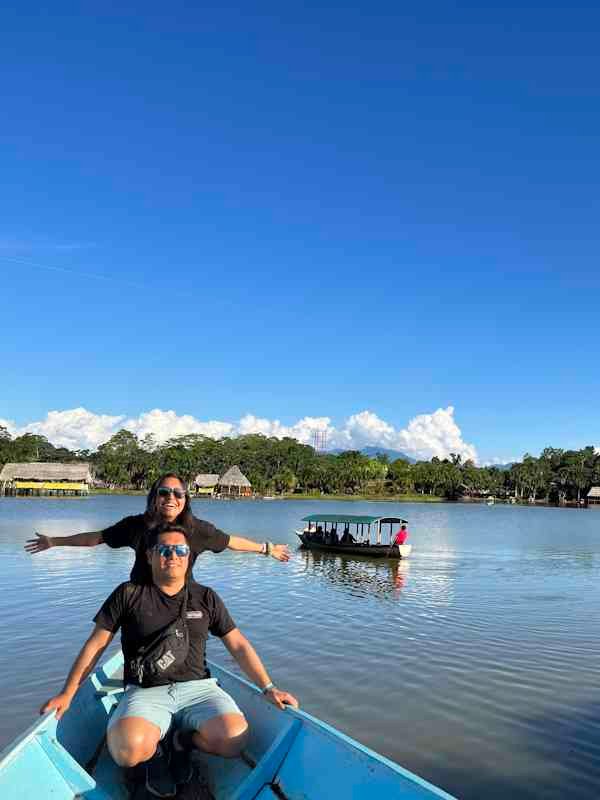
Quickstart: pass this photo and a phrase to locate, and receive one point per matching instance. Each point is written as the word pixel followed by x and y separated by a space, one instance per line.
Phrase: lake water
pixel 474 664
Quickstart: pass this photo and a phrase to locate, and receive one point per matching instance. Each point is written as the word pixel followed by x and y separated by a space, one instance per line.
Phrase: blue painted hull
pixel 291 754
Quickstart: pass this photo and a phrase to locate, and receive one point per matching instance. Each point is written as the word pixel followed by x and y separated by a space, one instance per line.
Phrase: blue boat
pixel 290 754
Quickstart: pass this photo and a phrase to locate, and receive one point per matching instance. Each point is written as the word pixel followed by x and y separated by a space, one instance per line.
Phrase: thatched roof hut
pixel 206 483
pixel 45 477
pixel 235 482
pixel 205 480
pixel 593 495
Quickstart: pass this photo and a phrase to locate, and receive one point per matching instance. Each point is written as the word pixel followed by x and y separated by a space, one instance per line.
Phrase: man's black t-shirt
pixel 133 531
pixel 141 611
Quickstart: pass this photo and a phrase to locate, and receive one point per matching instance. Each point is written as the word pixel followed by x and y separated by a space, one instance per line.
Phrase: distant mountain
pixel 373 450
pixel 393 455
pixel 502 467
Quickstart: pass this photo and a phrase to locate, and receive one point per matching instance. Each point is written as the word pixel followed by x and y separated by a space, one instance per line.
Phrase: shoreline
pixel 376 498
pixel 346 498
pixel 373 498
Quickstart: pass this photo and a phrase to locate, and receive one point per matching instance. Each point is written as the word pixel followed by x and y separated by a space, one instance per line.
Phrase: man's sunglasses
pixel 166 550
pixel 166 491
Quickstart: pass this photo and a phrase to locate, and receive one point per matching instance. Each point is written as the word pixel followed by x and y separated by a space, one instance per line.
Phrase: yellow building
pixel 206 484
pixel 37 478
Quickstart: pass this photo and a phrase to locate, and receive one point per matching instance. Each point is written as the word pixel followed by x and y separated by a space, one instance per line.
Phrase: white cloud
pixel 251 424
pixel 303 430
pixel 9 425
pixel 366 428
pixel 167 424
pixel 75 428
pixel 437 434
pixel 426 435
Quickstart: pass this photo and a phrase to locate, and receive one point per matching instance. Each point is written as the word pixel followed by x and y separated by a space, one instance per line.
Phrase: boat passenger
pixel 319 535
pixel 401 536
pixel 347 537
pixel 178 695
pixel 333 537
pixel 168 501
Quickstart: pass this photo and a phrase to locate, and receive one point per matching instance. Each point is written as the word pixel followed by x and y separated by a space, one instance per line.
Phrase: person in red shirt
pixel 402 535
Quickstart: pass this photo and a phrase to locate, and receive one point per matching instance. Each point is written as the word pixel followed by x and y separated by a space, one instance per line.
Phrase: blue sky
pixel 290 211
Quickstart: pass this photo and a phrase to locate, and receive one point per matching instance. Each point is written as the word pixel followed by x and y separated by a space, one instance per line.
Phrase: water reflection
pixel 357 574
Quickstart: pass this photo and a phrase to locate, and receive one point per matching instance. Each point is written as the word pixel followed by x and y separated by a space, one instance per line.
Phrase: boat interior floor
pixel 120 784
pixel 254 776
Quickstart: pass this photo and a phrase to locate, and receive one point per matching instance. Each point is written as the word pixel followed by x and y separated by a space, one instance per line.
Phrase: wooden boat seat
pixel 268 793
pixel 106 686
pixel 267 767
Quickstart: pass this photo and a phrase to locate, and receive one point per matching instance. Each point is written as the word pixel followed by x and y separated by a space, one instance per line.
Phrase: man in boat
pixel 168 502
pixel 169 689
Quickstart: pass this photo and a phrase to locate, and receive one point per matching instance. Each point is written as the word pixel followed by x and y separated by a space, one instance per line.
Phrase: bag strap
pixel 159 634
pixel 183 608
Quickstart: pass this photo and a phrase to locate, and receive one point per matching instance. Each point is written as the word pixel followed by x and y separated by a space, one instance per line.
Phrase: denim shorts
pixel 188 704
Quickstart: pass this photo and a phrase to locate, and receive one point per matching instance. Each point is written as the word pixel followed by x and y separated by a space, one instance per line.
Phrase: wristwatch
pixel 268 688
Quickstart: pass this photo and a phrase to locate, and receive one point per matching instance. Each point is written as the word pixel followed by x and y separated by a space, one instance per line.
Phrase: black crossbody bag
pixel 159 660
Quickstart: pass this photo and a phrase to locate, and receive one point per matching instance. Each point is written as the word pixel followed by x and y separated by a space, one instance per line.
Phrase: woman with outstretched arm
pixel 168 501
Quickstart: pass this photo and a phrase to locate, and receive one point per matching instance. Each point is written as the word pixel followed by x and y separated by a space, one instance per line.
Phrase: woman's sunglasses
pixel 165 491
pixel 166 550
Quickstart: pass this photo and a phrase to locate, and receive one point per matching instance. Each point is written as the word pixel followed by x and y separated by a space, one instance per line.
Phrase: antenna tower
pixel 320 441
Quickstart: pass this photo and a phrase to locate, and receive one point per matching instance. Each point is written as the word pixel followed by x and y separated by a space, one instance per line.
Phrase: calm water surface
pixel 474 664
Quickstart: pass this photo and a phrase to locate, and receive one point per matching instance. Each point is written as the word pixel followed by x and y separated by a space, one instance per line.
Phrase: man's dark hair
pixel 166 527
pixel 152 514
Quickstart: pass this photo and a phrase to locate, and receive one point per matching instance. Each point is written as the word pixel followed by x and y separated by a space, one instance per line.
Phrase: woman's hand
pixel 280 552
pixel 38 545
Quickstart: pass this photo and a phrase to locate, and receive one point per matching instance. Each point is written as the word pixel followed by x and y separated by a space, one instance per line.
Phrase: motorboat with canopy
pixel 354 534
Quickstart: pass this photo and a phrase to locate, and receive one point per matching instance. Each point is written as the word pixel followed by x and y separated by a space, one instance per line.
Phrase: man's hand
pixel 281 699
pixel 60 704
pixel 38 545
pixel 280 552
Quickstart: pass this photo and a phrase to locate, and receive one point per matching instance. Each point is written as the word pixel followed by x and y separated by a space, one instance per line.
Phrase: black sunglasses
pixel 166 491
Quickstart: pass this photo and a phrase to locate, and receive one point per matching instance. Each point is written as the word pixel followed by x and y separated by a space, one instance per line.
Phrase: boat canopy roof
pixel 351 519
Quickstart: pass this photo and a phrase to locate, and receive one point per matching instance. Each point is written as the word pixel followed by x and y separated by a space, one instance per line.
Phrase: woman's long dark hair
pixel 153 517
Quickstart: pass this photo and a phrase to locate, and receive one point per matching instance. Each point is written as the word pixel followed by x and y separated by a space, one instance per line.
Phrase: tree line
pixel 286 466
